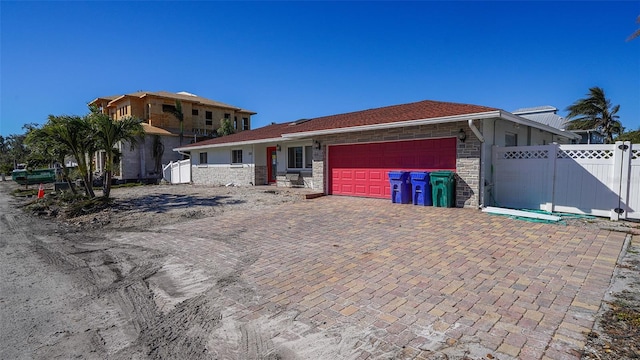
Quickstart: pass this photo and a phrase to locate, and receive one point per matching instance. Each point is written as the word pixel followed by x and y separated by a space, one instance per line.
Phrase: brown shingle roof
pixel 272 131
pixel 426 109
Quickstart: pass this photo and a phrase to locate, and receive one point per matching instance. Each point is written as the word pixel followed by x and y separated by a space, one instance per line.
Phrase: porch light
pixel 462 136
pixel 278 147
pixel 318 145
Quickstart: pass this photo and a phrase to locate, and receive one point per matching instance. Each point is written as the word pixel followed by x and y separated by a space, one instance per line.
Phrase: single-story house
pixel 351 154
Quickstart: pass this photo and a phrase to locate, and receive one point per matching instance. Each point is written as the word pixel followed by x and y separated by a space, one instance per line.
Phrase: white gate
pixel 601 180
pixel 177 172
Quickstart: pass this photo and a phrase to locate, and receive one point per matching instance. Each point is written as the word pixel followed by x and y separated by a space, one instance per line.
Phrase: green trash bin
pixel 443 192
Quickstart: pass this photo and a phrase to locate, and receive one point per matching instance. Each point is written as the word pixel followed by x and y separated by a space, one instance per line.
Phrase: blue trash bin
pixel 400 187
pixel 421 189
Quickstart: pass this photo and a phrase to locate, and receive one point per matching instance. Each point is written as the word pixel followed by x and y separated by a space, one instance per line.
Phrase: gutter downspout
pixel 475 130
pixel 477 133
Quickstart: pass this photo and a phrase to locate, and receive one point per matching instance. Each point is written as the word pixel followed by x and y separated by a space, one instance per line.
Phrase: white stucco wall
pixel 219 156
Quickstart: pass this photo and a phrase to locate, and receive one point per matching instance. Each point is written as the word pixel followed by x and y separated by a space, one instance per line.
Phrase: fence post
pixel 623 182
pixel 616 178
pixel 553 155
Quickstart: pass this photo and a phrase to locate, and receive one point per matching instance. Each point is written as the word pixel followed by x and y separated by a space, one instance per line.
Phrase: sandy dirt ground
pixel 69 291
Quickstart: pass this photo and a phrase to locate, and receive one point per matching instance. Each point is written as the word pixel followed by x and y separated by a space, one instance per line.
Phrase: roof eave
pixel 428 121
pixel 524 121
pixel 229 144
pixel 112 102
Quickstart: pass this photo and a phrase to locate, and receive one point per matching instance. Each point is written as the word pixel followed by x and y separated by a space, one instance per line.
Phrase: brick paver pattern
pixel 517 289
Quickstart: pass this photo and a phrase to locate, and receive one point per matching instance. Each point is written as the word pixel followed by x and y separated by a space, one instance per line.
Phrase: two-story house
pixel 201 119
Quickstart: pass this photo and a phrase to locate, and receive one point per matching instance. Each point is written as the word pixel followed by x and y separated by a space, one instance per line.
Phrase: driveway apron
pixel 413 280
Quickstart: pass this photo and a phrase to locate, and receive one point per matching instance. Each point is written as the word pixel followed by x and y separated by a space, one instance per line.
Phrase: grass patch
pixel 626 312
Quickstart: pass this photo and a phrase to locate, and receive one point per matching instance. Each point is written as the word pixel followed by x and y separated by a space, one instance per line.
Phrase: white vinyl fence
pixel 177 172
pixel 600 180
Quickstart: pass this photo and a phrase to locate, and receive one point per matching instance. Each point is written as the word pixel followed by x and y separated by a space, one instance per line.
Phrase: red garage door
pixel 362 169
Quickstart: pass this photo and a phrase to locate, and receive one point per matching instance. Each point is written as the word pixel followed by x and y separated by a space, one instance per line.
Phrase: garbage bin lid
pixel 418 175
pixel 441 173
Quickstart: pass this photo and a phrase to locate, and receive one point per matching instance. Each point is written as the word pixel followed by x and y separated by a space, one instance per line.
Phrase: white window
pixel 236 156
pixel 299 156
pixel 203 158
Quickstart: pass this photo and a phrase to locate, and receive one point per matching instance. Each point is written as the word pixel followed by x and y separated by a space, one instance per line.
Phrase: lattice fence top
pixel 635 154
pixel 585 154
pixel 526 154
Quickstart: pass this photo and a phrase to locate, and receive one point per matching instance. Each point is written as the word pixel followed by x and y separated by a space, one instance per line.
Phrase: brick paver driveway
pixel 414 282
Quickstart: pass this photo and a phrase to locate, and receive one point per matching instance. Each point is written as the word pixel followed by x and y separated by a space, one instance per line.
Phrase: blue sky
pixel 291 60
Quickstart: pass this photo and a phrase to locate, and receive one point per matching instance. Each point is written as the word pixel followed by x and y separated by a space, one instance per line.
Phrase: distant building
pixel 547 115
pixel 201 119
pixel 592 136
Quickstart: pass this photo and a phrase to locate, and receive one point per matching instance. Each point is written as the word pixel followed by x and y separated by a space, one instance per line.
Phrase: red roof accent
pixel 426 109
pixel 265 132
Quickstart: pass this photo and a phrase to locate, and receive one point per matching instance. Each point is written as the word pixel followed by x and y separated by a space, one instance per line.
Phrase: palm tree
pixel 47 148
pixel 109 133
pixel 595 111
pixel 177 112
pixel 76 135
pixel 157 152
pixel 636 33
pixel 226 127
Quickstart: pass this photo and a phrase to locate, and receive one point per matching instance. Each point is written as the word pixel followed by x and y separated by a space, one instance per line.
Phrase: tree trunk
pixel 65 177
pixel 108 166
pixel 107 184
pixel 89 182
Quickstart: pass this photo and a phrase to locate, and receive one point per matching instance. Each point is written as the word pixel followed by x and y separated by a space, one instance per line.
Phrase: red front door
pixel 272 164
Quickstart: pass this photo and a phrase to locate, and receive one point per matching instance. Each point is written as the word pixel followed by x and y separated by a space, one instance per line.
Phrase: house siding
pixel 467 161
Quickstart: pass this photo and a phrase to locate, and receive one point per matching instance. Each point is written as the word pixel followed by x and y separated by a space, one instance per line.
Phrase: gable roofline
pixel 439 120
pixel 187 97
pixel 397 124
pixel 288 130
pixel 535 110
pixel 524 121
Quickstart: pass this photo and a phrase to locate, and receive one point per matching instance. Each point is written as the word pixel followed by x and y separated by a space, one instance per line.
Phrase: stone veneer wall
pixel 221 175
pixel 261 175
pixel 306 180
pixel 317 167
pixel 467 163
